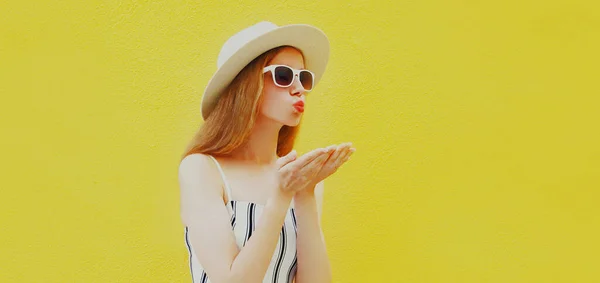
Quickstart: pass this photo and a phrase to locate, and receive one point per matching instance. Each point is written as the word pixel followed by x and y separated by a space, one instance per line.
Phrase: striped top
pixel 244 215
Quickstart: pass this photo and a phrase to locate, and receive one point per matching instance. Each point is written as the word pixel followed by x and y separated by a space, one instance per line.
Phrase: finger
pixel 291 156
pixel 345 155
pixel 335 155
pixel 322 158
pixel 331 150
pixel 319 161
pixel 308 157
pixel 314 166
pixel 333 158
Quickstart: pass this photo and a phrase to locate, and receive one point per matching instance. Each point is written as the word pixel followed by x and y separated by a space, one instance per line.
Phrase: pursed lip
pixel 299 106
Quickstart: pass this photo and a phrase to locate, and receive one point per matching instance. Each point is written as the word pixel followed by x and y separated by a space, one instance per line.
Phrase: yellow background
pixel 476 127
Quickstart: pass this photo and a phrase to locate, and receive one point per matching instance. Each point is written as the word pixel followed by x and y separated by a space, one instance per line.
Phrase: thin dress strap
pixel 227 189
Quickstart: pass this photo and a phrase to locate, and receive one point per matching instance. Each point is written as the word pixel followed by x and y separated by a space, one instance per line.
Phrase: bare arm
pixel 313 261
pixel 204 213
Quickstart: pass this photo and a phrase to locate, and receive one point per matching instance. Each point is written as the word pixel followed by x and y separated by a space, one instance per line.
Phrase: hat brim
pixel 311 41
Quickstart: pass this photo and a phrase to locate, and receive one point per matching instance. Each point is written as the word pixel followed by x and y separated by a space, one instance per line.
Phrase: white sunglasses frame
pixel 296 73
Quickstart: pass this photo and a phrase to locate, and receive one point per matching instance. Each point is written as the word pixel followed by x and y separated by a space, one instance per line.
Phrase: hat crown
pixel 238 40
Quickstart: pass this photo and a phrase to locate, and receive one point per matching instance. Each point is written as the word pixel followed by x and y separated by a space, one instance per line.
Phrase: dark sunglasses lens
pixel 306 79
pixel 284 76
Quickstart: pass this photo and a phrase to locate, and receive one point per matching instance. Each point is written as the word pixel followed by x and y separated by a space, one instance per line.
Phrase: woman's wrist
pixel 305 195
pixel 280 198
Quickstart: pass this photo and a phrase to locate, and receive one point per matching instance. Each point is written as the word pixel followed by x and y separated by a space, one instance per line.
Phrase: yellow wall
pixel 476 128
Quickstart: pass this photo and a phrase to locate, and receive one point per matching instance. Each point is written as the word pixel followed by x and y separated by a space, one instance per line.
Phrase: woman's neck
pixel 261 147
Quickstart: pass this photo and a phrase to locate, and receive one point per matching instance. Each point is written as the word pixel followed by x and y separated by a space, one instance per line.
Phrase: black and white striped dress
pixel 243 222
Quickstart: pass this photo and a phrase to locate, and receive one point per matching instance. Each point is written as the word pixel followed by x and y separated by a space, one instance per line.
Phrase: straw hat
pixel 244 46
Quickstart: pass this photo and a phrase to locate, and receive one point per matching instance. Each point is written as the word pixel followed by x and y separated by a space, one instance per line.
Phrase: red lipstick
pixel 299 106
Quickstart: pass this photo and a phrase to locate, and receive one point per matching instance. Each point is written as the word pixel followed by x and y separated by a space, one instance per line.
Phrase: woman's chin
pixel 293 122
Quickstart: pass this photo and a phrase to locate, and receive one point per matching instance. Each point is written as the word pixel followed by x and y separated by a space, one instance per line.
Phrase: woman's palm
pixel 336 160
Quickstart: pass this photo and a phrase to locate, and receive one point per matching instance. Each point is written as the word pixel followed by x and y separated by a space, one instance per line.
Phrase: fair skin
pixel 256 174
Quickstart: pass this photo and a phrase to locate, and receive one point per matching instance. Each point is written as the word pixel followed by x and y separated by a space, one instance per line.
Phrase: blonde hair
pixel 230 123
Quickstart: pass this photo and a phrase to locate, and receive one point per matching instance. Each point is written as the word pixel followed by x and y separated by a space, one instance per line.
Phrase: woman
pixel 251 207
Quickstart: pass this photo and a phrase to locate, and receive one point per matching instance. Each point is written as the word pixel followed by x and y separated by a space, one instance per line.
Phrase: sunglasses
pixel 283 76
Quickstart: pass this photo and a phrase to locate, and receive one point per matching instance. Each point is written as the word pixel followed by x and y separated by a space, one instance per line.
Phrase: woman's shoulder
pixel 196 167
pixel 195 160
pixel 200 187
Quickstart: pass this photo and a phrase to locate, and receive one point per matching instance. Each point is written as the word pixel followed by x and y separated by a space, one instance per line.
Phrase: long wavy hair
pixel 230 124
